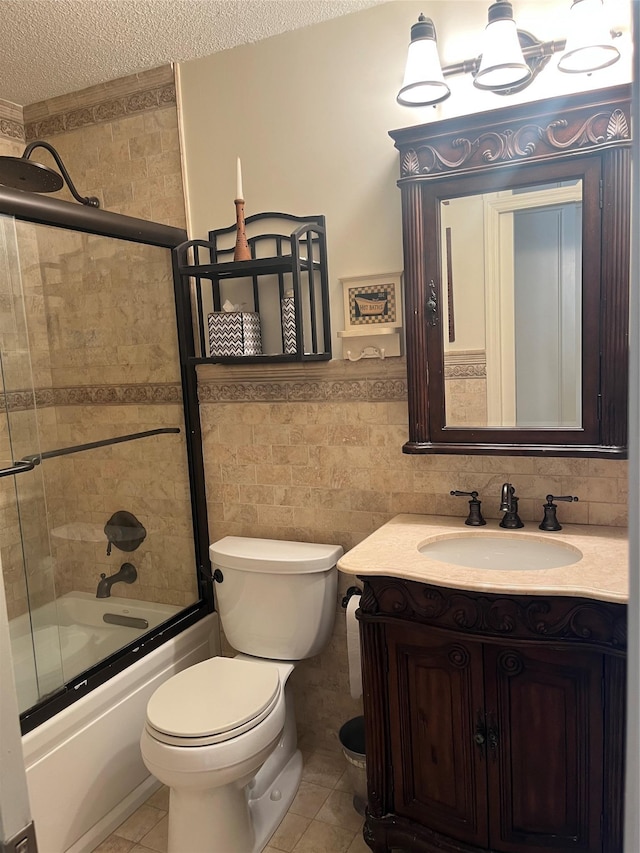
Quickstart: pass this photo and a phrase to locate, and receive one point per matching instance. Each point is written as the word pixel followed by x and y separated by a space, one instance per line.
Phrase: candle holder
pixel 242 251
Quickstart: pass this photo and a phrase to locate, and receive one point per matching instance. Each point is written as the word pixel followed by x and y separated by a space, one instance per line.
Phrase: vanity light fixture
pixel 423 78
pixel 502 65
pixel 510 58
pixel 589 46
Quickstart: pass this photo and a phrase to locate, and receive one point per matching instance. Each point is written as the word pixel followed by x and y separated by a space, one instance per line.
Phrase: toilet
pixel 222 734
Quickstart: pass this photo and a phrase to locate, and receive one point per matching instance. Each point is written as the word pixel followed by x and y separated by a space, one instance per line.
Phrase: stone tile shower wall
pixel 119 142
pixel 314 453
pixel 97 372
pixel 114 374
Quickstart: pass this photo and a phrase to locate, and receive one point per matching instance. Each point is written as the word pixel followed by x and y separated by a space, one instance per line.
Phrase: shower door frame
pixel 33 208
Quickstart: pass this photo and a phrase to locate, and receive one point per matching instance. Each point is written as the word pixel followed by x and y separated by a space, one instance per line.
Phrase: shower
pixel 22 173
pixel 100 426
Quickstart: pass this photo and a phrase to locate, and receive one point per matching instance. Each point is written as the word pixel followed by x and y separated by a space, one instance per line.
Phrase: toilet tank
pixel 276 599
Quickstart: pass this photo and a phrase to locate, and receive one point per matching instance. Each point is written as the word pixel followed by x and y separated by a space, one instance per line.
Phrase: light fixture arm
pixel 540 50
pixel 91 201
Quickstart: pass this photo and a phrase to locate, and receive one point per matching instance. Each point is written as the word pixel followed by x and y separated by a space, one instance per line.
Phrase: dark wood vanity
pixel 493 721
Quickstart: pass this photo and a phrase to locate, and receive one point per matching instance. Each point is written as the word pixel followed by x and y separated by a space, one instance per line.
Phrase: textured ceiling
pixel 53 47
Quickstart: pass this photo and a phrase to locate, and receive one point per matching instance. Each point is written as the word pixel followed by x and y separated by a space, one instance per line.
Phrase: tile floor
pixel 321 819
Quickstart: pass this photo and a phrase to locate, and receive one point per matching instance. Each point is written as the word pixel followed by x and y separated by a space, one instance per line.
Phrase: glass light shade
pixel 502 64
pixel 423 82
pixel 589 45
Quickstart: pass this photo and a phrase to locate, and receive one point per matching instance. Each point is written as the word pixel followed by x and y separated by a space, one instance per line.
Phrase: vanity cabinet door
pixel 437 731
pixel 545 747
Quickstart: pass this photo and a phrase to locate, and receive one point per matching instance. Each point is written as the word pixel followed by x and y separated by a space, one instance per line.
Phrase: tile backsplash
pixel 314 453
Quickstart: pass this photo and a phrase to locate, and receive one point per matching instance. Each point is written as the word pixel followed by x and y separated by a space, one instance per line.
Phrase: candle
pixel 239 180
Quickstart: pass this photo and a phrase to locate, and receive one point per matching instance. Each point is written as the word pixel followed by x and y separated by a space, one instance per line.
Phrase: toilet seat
pixel 213 701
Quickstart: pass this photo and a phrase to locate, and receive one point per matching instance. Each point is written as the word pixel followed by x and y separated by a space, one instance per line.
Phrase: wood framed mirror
pixel 516 230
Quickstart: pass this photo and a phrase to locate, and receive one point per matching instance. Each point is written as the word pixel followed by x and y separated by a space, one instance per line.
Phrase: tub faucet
pixel 127 574
pixel 509 506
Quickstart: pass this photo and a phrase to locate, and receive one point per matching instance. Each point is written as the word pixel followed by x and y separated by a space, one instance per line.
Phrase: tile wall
pixel 102 351
pixel 314 452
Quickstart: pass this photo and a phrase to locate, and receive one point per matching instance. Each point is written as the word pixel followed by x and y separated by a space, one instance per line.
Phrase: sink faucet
pixel 509 506
pixel 127 574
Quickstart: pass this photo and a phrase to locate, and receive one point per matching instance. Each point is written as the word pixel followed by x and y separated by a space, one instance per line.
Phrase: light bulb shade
pixel 423 82
pixel 589 45
pixel 502 65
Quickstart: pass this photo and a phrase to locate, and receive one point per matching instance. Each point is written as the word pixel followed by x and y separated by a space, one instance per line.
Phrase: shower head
pixel 21 173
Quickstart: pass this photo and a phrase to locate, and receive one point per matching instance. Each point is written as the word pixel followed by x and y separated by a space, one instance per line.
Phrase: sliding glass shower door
pixel 25 551
pixel 103 529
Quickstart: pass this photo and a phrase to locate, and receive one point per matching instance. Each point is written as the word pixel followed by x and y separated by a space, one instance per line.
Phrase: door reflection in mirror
pixel 511 270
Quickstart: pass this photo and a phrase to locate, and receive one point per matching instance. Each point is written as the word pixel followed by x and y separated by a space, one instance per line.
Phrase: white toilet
pixel 221 734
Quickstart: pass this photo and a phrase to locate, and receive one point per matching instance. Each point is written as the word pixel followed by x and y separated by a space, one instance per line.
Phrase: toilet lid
pixel 214 700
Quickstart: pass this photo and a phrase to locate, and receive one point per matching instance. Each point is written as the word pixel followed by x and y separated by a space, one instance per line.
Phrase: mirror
pixel 516 243
pixel 511 306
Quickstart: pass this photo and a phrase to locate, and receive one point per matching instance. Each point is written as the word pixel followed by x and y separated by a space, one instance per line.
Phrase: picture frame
pixel 372 302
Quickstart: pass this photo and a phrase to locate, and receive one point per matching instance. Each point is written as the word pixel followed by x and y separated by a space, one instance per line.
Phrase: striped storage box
pixel 234 333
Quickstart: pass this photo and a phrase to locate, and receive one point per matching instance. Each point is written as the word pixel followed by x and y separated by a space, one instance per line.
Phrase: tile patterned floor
pixel 321 819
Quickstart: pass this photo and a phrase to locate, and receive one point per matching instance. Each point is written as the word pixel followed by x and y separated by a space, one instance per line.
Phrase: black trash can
pixel 352 741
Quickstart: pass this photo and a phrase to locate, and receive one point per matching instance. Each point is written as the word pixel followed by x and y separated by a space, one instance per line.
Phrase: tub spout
pixel 127 574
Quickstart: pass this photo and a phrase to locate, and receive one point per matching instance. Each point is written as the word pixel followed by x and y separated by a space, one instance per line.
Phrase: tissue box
pixel 235 333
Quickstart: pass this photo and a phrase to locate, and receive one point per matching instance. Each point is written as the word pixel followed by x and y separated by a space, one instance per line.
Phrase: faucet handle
pixel 550 521
pixel 474 519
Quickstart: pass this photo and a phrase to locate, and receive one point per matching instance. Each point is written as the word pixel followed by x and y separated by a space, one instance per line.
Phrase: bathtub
pixel 84 771
pixel 71 635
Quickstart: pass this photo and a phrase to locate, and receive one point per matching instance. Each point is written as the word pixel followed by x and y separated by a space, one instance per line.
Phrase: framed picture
pixel 372 301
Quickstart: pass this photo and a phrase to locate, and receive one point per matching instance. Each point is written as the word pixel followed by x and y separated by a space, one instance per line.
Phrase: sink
pixel 502 553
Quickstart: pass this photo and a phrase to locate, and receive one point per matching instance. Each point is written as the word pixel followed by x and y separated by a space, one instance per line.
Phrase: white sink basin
pixel 503 553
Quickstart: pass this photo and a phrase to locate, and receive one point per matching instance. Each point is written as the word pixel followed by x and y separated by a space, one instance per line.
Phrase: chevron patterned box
pixel 235 333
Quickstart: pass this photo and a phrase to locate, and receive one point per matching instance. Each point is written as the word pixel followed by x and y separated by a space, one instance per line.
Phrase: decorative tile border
pixel 469 364
pixel 314 391
pixel 251 391
pixel 107 110
pixel 10 129
pixel 11 121
pixel 93 395
pixel 142 394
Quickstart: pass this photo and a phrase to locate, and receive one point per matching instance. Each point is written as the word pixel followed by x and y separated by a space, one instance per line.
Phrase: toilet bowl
pixel 221 734
pixel 206 751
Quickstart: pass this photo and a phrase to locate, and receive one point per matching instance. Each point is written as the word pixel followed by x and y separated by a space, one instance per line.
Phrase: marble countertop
pixel 392 550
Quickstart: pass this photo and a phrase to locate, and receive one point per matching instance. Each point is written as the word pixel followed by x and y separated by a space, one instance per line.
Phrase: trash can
pixel 352 741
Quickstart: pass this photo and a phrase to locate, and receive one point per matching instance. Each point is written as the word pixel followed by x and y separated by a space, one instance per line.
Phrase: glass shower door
pixel 25 553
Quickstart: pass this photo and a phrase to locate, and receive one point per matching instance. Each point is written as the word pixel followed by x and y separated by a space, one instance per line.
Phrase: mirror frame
pixel 587 134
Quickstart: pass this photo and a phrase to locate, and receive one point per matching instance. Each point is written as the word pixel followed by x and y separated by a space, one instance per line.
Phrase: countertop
pixel 392 550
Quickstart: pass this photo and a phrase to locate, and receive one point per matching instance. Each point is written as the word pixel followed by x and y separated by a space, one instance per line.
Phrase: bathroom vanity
pixel 493 698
